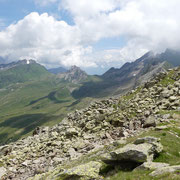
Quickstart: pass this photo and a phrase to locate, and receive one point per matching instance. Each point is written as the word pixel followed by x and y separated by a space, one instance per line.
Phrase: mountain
pixel 31 96
pixel 171 56
pixel 21 71
pixel 57 70
pixel 127 137
pixel 120 80
pixel 74 75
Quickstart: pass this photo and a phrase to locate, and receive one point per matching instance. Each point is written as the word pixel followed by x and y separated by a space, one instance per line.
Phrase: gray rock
pixel 151 166
pixel 162 170
pixel 85 171
pixel 150 122
pixel 148 139
pixel 2 172
pixel 159 128
pixel 71 132
pixel 172 98
pixel 132 152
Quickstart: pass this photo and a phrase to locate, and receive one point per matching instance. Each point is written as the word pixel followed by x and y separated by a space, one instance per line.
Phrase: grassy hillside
pixel 22 73
pixel 24 106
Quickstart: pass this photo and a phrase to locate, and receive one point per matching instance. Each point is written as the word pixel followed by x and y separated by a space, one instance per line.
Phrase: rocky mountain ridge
pixel 74 75
pixel 14 64
pixel 103 123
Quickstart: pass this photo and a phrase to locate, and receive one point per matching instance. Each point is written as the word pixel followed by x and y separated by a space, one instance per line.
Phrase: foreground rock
pixel 143 149
pixel 163 170
pixel 151 166
pixel 86 171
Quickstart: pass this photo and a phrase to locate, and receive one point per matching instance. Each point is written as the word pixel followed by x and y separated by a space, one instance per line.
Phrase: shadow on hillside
pixel 51 97
pixel 25 123
pixel 74 103
pixel 93 89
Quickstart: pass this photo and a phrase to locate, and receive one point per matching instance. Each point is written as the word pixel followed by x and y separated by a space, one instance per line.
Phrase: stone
pixel 155 142
pixel 166 116
pixel 165 94
pixel 2 172
pixel 172 98
pixel 148 139
pixel 143 149
pixel 73 154
pixel 151 166
pixel 163 170
pixel 87 171
pixel 159 128
pixel 26 163
pixel 149 122
pixel 131 152
pixel 71 132
pixel 119 142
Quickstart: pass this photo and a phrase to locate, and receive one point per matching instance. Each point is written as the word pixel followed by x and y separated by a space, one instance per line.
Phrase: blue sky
pixel 94 35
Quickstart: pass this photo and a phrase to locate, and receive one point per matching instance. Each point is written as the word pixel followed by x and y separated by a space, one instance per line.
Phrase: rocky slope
pixel 74 75
pixel 102 125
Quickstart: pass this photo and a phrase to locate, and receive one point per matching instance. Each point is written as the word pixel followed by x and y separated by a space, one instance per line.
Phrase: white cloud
pixel 146 25
pixel 43 38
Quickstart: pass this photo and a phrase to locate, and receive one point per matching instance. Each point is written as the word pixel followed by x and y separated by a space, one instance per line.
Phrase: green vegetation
pixel 24 106
pixel 22 73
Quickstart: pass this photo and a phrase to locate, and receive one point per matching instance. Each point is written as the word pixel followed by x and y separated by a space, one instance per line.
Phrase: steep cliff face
pixel 103 124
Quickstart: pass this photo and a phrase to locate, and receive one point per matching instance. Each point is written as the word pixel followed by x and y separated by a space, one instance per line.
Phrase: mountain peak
pixel 16 63
pixel 26 61
pixel 75 75
pixel 75 69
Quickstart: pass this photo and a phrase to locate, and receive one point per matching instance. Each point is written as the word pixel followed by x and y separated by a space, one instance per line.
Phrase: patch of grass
pixel 170 155
pixel 24 106
pixel 168 79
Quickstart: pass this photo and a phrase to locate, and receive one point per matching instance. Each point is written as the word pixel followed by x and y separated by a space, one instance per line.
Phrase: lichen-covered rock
pixel 84 172
pixel 132 152
pixel 143 149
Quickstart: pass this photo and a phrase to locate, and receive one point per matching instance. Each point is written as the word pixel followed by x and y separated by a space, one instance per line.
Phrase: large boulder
pixel 85 171
pixel 131 152
pixel 143 150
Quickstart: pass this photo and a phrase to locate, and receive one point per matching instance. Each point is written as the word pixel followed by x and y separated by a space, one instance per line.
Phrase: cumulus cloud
pixel 146 25
pixel 43 38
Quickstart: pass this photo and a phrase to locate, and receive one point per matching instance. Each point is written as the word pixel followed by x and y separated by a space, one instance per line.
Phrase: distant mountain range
pixel 120 80
pixel 57 70
pixel 32 96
